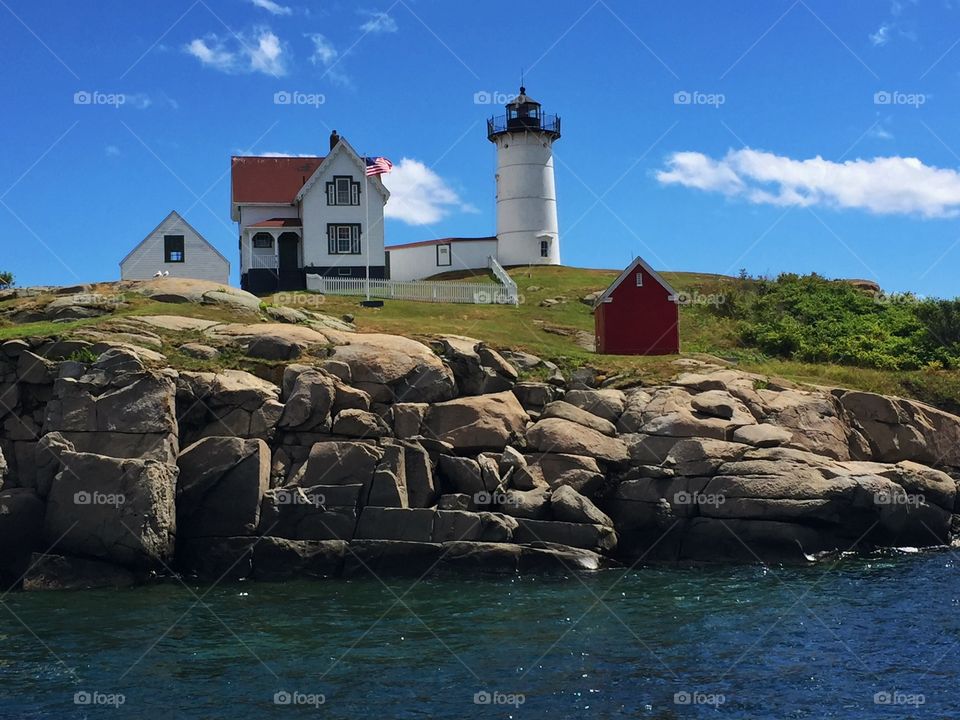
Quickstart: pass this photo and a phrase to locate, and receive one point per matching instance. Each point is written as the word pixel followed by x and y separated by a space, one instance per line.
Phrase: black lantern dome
pixel 524 114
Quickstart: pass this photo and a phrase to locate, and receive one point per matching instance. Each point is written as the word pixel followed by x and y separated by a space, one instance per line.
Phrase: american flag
pixel 378 166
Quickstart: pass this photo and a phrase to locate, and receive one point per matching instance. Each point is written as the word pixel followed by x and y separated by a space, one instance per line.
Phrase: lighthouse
pixel 527 229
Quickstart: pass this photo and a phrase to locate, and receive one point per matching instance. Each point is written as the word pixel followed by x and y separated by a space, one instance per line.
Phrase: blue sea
pixel 871 637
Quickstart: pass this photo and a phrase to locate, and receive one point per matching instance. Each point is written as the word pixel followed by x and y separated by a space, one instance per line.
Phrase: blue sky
pixel 771 135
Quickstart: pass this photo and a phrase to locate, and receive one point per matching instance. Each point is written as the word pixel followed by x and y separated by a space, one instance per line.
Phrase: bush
pixel 811 319
pixel 6 280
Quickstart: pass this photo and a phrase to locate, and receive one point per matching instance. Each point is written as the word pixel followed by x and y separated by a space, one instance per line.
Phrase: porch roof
pixel 278 223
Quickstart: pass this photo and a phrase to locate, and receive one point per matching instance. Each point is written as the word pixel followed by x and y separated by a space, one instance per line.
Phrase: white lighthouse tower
pixel 527 230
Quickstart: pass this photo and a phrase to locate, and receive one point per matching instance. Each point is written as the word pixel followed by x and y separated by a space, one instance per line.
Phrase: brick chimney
pixel 334 139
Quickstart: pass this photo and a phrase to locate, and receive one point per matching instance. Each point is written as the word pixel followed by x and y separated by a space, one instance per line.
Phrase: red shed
pixel 638 314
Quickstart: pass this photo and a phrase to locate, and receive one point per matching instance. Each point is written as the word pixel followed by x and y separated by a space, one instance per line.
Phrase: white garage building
pixel 417 260
pixel 175 249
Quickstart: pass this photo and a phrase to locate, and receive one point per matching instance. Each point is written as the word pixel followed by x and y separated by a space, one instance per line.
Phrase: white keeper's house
pixel 310 215
pixel 300 215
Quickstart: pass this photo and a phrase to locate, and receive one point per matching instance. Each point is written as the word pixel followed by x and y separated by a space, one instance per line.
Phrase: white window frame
pixel 449 250
pixel 344 192
pixel 640 278
pixel 261 236
pixel 344 239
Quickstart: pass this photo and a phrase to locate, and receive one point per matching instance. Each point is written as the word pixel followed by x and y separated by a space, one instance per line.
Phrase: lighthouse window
pixel 544 248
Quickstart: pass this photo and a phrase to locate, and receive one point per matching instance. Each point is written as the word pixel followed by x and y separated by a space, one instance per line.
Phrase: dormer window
pixel 343 190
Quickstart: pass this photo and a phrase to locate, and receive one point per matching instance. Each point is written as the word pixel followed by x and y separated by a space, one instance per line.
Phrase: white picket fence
pixel 438 291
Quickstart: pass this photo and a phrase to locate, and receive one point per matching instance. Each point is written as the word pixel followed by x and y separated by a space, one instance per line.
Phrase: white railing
pixel 420 290
pixel 509 286
pixel 263 262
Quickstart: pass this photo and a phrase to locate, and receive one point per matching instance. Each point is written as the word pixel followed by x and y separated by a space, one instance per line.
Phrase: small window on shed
pixel 173 248
pixel 639 279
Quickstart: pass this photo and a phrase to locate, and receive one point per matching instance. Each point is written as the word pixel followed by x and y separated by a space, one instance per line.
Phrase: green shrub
pixel 811 319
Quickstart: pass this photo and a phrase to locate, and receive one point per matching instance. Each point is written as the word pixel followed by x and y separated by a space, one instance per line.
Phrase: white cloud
pixel 418 196
pixel 325 55
pixel 272 7
pixel 882 186
pixel 879 132
pixel 881 37
pixel 112 151
pixel 141 101
pixel 895 26
pixel 267 57
pixel 379 22
pixel 259 51
pixel 210 51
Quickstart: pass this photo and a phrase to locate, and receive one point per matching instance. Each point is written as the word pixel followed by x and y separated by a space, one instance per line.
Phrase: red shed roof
pixel 270 179
pixel 627 272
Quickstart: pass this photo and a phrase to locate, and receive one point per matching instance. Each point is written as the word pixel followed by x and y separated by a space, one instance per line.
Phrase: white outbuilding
pixel 526 193
pixel 175 249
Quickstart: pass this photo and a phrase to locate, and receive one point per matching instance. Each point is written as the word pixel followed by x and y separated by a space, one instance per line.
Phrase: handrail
pixel 511 295
pixel 544 123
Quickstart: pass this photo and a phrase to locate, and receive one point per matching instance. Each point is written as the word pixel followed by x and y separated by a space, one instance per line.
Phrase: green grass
pixel 704 334
pixel 550 332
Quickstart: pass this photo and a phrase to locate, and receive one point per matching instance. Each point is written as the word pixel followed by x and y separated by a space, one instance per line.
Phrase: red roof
pixel 278 222
pixel 441 241
pixel 270 179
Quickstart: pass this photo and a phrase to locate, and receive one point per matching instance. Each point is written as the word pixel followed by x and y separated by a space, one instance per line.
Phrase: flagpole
pixel 366 227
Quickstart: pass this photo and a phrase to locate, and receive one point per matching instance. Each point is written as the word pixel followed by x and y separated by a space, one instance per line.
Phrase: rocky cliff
pixel 349 453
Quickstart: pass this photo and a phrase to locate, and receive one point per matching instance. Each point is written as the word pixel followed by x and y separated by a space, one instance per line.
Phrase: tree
pixel 6 280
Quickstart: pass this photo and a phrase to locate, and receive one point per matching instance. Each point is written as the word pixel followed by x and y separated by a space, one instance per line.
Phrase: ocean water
pixel 869 637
